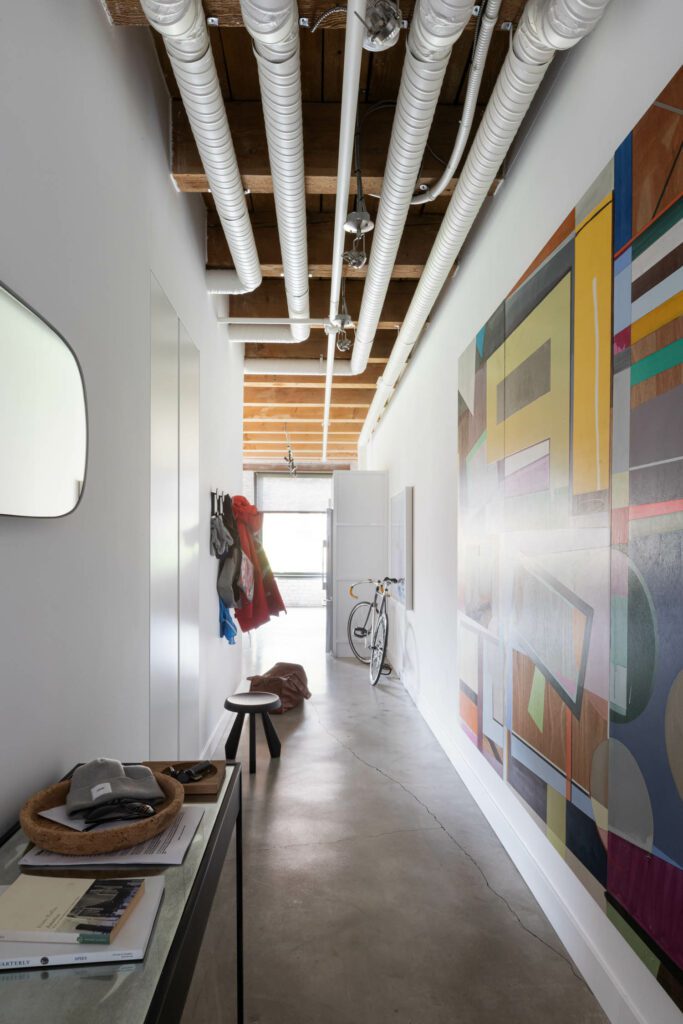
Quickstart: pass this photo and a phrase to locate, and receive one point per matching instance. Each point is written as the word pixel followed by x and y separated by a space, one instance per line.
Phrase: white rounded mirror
pixel 43 423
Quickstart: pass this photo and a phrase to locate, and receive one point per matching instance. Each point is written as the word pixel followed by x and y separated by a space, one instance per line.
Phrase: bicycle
pixel 368 627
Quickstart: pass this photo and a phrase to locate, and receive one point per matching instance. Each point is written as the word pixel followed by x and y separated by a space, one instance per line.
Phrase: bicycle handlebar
pixel 378 584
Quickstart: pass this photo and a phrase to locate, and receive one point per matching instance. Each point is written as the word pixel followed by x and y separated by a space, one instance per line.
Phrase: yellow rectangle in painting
pixel 556 829
pixel 468 657
pixel 546 417
pixel 592 353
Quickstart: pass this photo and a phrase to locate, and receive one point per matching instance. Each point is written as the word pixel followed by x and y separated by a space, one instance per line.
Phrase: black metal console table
pixel 152 991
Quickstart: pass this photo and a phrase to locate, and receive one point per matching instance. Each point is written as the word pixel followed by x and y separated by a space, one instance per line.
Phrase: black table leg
pixel 239 911
pixel 233 740
pixel 252 744
pixel 272 737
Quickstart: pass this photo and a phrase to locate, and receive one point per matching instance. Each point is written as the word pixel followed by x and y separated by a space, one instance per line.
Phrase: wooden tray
pixel 208 786
pixel 56 838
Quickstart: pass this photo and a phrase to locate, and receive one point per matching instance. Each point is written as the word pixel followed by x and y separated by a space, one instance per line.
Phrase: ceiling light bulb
pixel 383 23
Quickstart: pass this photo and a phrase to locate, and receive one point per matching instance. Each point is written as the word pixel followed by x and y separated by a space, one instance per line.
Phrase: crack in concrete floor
pixel 458 844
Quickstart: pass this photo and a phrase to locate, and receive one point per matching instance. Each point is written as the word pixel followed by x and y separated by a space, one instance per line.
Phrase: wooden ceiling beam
pixel 416 244
pixel 321 142
pixel 303 433
pixel 367 379
pixel 267 412
pixel 307 397
pixel 269 301
pixel 252 465
pixel 129 13
pixel 316 347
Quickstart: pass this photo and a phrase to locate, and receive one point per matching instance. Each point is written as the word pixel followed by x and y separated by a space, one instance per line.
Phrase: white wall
pixel 87 210
pixel 604 87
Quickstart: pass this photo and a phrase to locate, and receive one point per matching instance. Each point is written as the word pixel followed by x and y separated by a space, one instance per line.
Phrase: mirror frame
pixel 26 305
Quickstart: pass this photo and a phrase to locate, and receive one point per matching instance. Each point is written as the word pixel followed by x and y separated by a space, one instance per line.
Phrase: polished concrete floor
pixel 376 892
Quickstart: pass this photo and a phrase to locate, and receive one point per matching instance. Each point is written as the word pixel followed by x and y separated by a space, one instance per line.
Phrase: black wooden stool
pixel 252 704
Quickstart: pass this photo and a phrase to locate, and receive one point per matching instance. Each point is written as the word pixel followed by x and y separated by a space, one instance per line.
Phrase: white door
pixel 174 536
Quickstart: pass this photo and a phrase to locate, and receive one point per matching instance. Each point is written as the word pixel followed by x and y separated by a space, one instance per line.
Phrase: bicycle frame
pixel 381 593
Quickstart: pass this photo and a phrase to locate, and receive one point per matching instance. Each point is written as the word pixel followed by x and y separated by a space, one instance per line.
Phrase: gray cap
pixel 103 780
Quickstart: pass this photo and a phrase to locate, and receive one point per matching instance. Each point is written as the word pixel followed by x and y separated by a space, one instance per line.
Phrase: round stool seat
pixel 253 703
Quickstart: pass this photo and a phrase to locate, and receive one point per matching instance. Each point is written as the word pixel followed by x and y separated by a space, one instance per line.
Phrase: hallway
pixel 376 892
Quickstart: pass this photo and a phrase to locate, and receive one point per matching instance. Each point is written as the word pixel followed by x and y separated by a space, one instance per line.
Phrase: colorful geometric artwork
pixel 570 539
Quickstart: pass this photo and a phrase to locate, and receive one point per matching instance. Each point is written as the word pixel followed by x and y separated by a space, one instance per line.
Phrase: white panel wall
pixel 87 211
pixel 163 525
pixel 605 85
pixel 189 743
pixel 360 542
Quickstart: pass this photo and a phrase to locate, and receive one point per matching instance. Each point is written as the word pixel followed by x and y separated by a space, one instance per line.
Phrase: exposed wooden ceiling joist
pixel 270 301
pixel 316 347
pixel 321 140
pixel 416 243
pixel 264 412
pixel 227 13
pixel 309 397
pixel 253 465
pixel 367 379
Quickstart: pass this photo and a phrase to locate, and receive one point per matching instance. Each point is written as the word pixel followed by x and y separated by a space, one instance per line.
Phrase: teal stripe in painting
pixel 659 228
pixel 667 357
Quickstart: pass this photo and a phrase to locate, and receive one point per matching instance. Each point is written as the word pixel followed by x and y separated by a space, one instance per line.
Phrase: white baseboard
pixel 620 981
pixel 218 734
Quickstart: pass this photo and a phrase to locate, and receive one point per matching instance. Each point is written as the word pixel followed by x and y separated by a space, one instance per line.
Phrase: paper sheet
pixel 169 847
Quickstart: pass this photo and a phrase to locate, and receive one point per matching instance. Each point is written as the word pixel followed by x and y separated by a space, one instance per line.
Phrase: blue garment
pixel 227 627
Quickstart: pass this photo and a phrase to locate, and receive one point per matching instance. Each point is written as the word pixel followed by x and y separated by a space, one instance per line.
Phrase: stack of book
pixel 47 921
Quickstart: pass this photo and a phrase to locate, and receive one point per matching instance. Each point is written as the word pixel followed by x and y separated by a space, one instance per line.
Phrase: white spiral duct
pixel 274 27
pixel 436 26
pixel 487 25
pixel 546 26
pixel 186 38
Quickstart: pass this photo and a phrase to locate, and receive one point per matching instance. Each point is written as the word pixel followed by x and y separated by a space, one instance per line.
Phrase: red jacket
pixel 267 600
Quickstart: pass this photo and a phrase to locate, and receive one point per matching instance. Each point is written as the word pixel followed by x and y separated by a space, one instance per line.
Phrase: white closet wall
pixel 360 543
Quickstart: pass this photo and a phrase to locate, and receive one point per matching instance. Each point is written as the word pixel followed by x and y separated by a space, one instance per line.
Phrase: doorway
pixel 295 538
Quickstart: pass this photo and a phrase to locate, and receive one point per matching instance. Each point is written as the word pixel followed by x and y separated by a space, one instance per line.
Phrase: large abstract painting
pixel 570 539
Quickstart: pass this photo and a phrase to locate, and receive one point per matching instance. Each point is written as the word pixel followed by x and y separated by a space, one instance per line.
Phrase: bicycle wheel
pixel 379 647
pixel 358 629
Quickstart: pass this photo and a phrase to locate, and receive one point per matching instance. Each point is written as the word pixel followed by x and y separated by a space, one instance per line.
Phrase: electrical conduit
pixel 353 53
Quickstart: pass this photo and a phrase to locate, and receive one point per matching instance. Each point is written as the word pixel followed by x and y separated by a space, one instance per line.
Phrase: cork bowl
pixel 49 835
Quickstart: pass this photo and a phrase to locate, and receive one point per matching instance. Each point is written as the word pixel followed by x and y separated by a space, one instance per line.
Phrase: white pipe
pixel 486 27
pixel 545 27
pixel 258 333
pixel 272 321
pixel 295 367
pixel 274 27
pixel 183 27
pixel 353 55
pixel 224 282
pixel 436 26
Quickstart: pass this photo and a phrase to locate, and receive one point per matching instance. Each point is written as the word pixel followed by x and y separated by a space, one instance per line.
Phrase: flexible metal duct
pixel 545 27
pixel 274 27
pixel 488 23
pixel 436 26
pixel 183 27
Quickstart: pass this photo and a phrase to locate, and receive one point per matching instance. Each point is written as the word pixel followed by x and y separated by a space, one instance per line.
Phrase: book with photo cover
pixel 83 910
pixel 129 945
